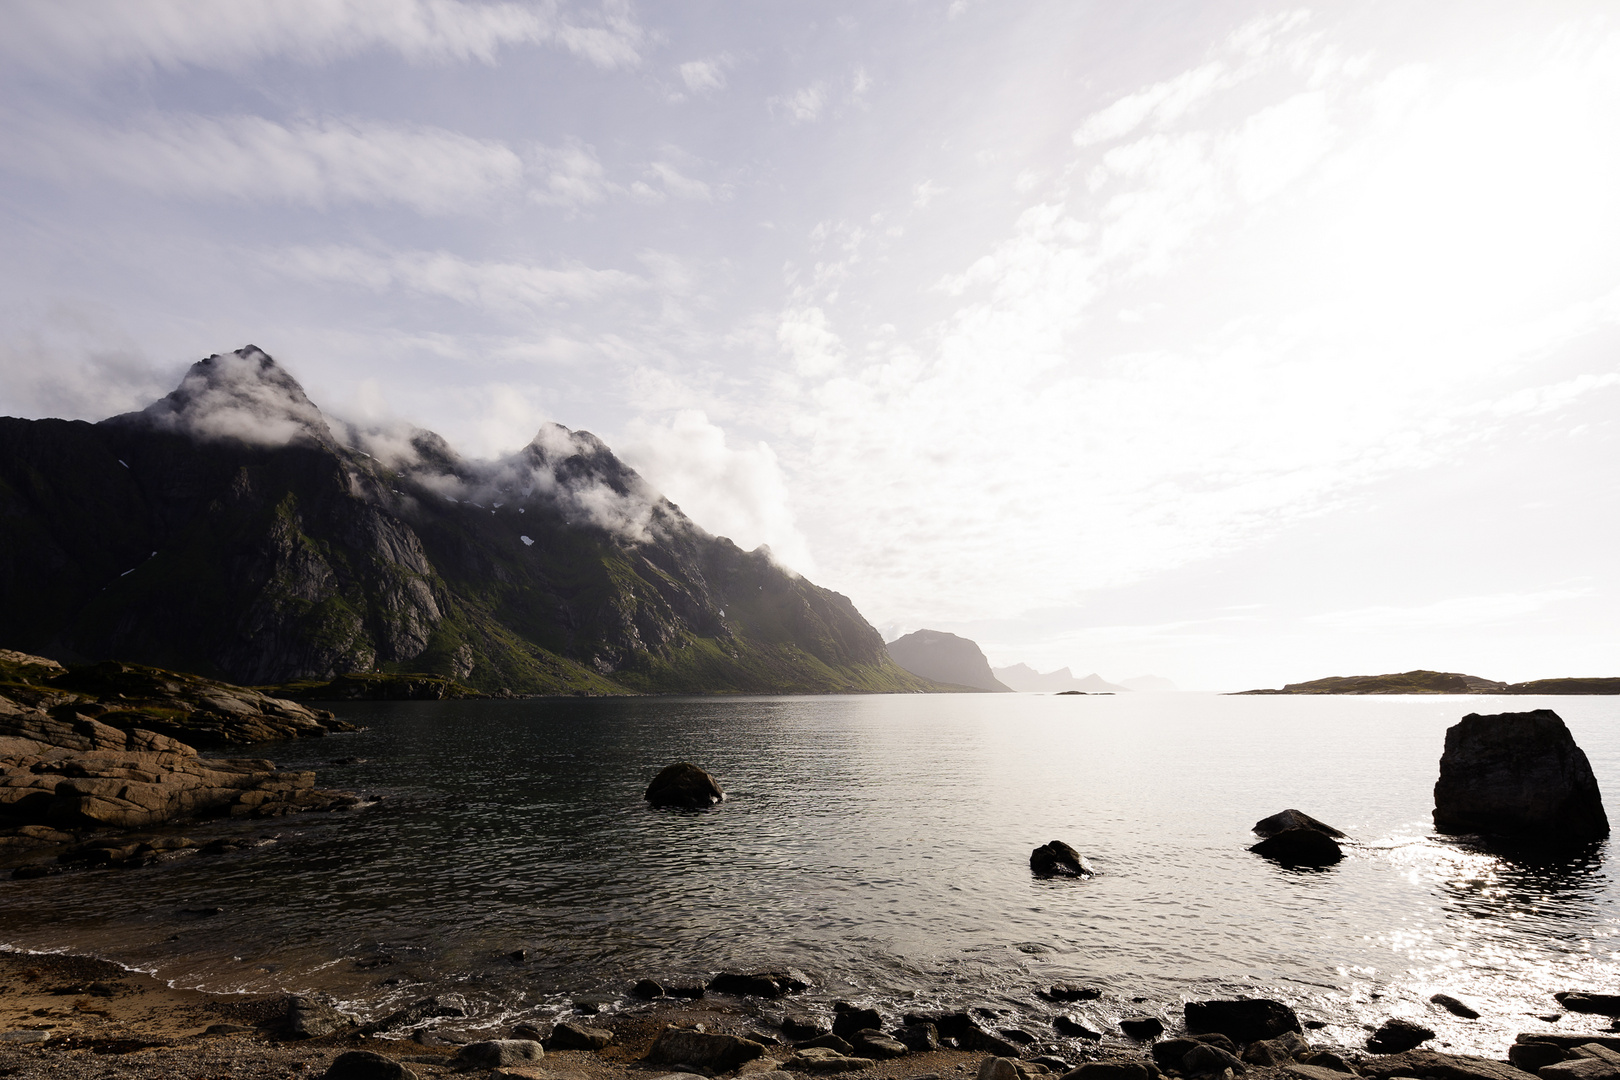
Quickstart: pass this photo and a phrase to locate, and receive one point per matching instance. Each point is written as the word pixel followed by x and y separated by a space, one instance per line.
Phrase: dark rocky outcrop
pixel 945 658
pixel 233 530
pixel 1398 1034
pixel 1242 1020
pixel 1071 1028
pixel 1070 992
pixel 1517 774
pixel 849 1020
pixel 1300 847
pixel 686 786
pixel 1057 859
pixel 1293 819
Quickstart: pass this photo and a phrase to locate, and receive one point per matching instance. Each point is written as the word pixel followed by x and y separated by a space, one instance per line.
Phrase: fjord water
pixel 880 844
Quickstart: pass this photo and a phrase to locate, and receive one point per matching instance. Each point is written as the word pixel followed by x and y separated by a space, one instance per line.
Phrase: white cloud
pixel 47 35
pixel 1454 613
pixel 313 162
pixel 568 175
pixel 803 105
pixel 804 335
pixel 924 193
pixel 701 76
pixel 490 286
pixel 736 492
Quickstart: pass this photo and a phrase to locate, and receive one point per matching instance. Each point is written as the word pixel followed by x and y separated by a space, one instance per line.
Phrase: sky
pixel 1232 342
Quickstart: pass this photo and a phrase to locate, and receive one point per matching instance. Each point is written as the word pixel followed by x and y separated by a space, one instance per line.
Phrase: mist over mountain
pixel 945 658
pixel 1027 680
pixel 233 529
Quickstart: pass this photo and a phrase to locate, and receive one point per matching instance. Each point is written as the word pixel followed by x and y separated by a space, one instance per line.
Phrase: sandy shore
pixel 65 1016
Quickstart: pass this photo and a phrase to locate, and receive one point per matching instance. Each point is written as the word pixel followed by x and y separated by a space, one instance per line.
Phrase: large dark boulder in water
pixel 1057 859
pixel 1517 774
pixel 1293 819
pixel 685 785
pixel 1300 847
pixel 1397 1035
pixel 1243 1020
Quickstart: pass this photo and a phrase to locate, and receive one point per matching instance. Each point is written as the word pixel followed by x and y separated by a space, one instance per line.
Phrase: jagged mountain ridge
pixel 232 530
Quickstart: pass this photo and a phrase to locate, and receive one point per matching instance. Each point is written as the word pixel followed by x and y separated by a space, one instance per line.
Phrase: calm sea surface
pixel 879 844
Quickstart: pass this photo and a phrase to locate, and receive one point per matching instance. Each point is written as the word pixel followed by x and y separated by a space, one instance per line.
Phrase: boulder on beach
pixel 1517 774
pixel 569 1035
pixel 703 1050
pixel 849 1020
pixel 1057 859
pixel 1243 1020
pixel 822 1060
pixel 365 1065
pixel 496 1053
pixel 1293 819
pixel 686 786
pixel 1300 846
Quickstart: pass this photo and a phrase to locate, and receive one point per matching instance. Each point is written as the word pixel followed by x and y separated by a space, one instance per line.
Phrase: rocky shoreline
pixel 64 1015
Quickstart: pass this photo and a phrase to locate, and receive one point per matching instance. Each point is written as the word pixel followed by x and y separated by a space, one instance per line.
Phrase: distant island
pixel 945 658
pixel 1443 682
pixel 1026 680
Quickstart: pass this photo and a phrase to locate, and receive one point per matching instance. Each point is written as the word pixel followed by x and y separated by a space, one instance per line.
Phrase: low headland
pixel 1443 682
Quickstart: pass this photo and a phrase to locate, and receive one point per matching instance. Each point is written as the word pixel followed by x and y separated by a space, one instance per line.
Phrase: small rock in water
pixel 1070 1028
pixel 1057 859
pixel 686 786
pixel 1455 1006
pixel 1293 819
pixel 1142 1027
pixel 1581 1002
pixel 766 984
pixel 518 956
pixel 1071 992
pixel 647 989
pixel 1398 1034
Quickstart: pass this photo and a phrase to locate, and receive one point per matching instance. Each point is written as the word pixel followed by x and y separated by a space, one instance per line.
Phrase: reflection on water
pixel 880 844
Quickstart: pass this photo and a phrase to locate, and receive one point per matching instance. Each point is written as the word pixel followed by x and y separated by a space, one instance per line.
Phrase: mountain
pixel 945 658
pixel 1026 680
pixel 1443 682
pixel 232 530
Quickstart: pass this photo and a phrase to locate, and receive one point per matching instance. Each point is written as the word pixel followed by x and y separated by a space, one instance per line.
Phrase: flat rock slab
pixel 1313 1072
pixel 1600 1004
pixel 1441 1067
pixel 1112 1070
pixel 1580 1068
pixel 819 1059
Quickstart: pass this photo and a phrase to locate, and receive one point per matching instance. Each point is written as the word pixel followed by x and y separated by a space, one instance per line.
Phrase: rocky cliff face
pixel 230 529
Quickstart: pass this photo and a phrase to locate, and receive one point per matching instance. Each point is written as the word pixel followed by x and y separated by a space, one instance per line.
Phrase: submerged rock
pixel 684 785
pixel 1517 774
pixel 1300 846
pixel 767 984
pixel 1057 859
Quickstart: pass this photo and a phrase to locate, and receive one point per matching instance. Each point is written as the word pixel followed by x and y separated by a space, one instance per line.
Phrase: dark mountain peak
pixel 243 395
pixel 946 658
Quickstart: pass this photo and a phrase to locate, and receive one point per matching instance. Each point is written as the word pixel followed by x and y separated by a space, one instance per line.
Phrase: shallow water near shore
pixel 879 844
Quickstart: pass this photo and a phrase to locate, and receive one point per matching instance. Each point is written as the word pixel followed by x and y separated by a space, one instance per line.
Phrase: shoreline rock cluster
pixel 89 756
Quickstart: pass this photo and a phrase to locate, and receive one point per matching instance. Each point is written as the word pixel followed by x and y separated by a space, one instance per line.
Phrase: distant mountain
pixel 233 530
pixel 1026 680
pixel 1148 683
pixel 1443 682
pixel 945 658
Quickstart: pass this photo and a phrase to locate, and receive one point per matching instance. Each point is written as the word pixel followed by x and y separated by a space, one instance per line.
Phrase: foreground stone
pixel 1429 1063
pixel 875 1044
pixel 1112 1070
pixel 311 1019
pixel 1057 859
pixel 1517 774
pixel 496 1053
pixel 568 1035
pixel 703 1050
pixel 365 1065
pixel 686 786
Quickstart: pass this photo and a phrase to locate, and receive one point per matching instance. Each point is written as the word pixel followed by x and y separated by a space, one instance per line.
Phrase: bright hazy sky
pixel 1235 342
